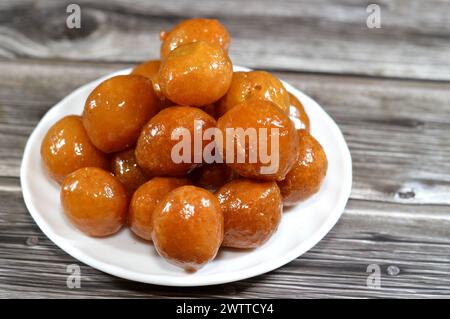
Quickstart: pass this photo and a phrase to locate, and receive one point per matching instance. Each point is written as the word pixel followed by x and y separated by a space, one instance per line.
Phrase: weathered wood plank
pixel 398 213
pixel 369 233
pixel 397 130
pixel 316 36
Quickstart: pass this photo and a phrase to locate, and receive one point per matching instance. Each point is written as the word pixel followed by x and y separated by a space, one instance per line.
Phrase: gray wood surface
pixel 388 89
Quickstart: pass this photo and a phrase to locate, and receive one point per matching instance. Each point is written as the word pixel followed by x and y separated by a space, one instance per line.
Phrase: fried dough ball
pixel 94 201
pixel 305 178
pixel 66 148
pixel 254 84
pixel 117 109
pixel 126 169
pixel 155 145
pixel 260 119
pixel 298 114
pixel 251 212
pixel 194 30
pixel 212 176
pixel 188 227
pixel 194 74
pixel 149 69
pixel 144 201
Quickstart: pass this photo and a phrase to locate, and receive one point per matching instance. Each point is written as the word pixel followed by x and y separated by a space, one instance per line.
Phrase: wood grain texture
pixel 397 130
pixel 398 214
pixel 327 36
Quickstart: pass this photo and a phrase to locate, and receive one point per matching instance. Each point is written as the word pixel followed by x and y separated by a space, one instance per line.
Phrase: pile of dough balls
pixel 114 161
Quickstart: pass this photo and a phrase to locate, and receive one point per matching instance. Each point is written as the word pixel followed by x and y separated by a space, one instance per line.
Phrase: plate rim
pixel 207 280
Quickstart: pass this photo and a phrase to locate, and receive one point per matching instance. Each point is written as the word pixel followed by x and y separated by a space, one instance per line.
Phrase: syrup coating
pixel 263 119
pixel 149 69
pixel 251 210
pixel 144 201
pixel 117 109
pixel 126 169
pixel 254 84
pixel 306 176
pixel 211 109
pixel 66 147
pixel 154 146
pixel 194 30
pixel 212 176
pixel 188 227
pixel 194 74
pixel 297 111
pixel 94 201
pixel 128 127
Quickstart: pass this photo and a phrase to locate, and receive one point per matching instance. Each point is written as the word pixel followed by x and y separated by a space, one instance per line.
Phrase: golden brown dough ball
pixel 126 169
pixel 94 201
pixel 212 176
pixel 117 109
pixel 254 84
pixel 251 212
pixel 66 148
pixel 258 116
pixel 298 112
pixel 188 227
pixel 149 69
pixel 155 144
pixel 194 74
pixel 194 30
pixel 144 201
pixel 305 178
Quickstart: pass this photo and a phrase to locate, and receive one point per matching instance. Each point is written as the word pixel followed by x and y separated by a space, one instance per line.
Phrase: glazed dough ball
pixel 195 30
pixel 212 176
pixel 94 201
pixel 66 148
pixel 251 212
pixel 149 69
pixel 254 84
pixel 298 114
pixel 117 109
pixel 126 169
pixel 194 74
pixel 144 201
pixel 306 176
pixel 154 146
pixel 251 116
pixel 188 227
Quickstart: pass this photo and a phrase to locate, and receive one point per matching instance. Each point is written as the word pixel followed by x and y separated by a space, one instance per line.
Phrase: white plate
pixel 125 256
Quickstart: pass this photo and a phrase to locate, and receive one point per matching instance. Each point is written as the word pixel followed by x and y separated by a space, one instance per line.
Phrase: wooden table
pixel 387 88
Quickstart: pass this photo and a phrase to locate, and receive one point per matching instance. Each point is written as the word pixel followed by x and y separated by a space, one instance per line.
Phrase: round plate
pixel 124 255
